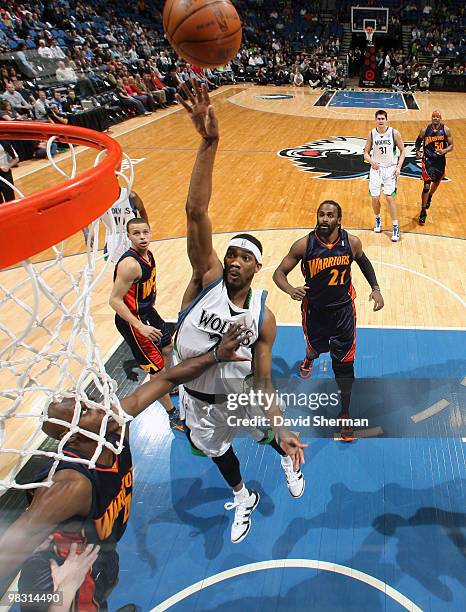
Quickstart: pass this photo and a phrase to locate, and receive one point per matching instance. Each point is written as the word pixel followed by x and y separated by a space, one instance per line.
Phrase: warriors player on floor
pixel 328 312
pixel 133 297
pixel 385 168
pixel 124 209
pixel 436 141
pixel 218 295
pixel 88 506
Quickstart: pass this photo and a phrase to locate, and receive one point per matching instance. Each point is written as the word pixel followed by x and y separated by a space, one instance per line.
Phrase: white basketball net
pixel 369 34
pixel 48 349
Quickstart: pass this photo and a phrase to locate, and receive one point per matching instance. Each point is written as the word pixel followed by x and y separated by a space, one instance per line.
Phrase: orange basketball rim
pixel 34 223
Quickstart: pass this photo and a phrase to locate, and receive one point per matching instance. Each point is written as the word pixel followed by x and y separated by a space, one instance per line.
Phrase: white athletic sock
pixel 287 460
pixel 241 494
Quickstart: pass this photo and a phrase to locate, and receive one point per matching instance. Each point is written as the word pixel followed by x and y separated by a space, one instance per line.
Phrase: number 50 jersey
pixel 327 271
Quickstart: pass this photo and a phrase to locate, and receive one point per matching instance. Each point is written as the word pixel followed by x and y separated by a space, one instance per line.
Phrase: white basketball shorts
pixel 382 179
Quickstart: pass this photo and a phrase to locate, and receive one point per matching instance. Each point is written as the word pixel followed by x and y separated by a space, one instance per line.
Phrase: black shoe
pixel 423 217
pixel 429 200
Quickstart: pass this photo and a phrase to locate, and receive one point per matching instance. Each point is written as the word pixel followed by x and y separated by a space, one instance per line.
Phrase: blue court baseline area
pixel 365 99
pixel 391 510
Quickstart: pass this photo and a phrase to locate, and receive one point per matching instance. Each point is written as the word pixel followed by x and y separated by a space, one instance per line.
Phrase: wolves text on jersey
pixel 211 322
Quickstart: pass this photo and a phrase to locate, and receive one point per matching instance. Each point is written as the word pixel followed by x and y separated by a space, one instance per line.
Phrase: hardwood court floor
pixel 422 277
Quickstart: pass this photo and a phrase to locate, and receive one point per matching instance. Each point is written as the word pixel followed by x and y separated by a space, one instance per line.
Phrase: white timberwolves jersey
pixel 203 323
pixel 116 239
pixel 384 150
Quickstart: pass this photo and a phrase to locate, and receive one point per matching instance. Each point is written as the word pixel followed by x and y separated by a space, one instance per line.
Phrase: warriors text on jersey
pixel 105 525
pixel 327 270
pixel 384 148
pixel 202 325
pixel 433 165
pixel 142 293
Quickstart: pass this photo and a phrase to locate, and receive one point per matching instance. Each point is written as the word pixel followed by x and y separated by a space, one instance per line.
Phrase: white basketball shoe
pixel 294 480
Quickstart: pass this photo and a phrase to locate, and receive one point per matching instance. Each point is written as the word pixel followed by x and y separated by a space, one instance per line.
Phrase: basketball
pixel 206 33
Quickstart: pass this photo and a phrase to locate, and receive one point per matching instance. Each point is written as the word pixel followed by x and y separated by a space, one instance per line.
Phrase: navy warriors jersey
pixel 141 295
pixel 327 271
pixel 435 140
pixel 105 525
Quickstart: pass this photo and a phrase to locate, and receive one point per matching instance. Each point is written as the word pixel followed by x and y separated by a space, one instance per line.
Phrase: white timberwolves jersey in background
pixel 384 150
pixel 122 211
pixel 203 323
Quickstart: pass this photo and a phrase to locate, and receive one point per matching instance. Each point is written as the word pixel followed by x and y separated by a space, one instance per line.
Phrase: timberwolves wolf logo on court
pixel 342 158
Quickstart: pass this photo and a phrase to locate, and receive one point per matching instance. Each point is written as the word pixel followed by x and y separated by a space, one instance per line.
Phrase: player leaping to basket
pixel 219 294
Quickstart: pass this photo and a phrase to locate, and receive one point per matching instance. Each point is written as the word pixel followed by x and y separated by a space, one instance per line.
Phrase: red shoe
pixel 305 369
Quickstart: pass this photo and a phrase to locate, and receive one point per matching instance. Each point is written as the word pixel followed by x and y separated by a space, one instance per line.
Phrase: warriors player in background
pixel 385 168
pixel 88 506
pixel 125 208
pixel 436 141
pixel 327 298
pixel 218 295
pixel 133 298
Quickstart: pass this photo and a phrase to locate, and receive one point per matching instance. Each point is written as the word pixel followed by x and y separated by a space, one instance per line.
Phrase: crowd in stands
pixel 62 58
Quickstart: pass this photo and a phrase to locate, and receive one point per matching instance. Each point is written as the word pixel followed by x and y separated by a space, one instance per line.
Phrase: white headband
pixel 244 243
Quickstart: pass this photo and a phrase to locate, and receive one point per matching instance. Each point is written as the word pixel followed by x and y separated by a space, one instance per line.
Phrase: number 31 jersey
pixel 327 272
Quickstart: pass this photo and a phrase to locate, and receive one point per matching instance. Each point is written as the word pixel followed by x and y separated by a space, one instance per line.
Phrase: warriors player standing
pixel 385 168
pixel 328 312
pixel 217 296
pixel 133 297
pixel 436 141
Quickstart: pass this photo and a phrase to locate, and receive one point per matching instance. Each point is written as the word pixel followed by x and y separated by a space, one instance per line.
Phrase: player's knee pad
pixel 228 465
pixel 343 369
pixel 426 187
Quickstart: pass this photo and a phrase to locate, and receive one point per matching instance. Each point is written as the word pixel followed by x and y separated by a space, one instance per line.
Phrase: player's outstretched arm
pixel 150 391
pixel 204 261
pixel 288 263
pixel 70 495
pixel 263 382
pixel 368 270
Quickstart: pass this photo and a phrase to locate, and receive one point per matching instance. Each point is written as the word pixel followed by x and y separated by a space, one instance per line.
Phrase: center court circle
pixel 289 563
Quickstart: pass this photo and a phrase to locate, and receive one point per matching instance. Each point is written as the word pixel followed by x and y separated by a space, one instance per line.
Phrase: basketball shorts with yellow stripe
pixel 147 354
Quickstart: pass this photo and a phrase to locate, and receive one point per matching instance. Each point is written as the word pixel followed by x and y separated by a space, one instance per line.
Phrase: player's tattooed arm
pixel 263 383
pixel 368 270
pixel 288 263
